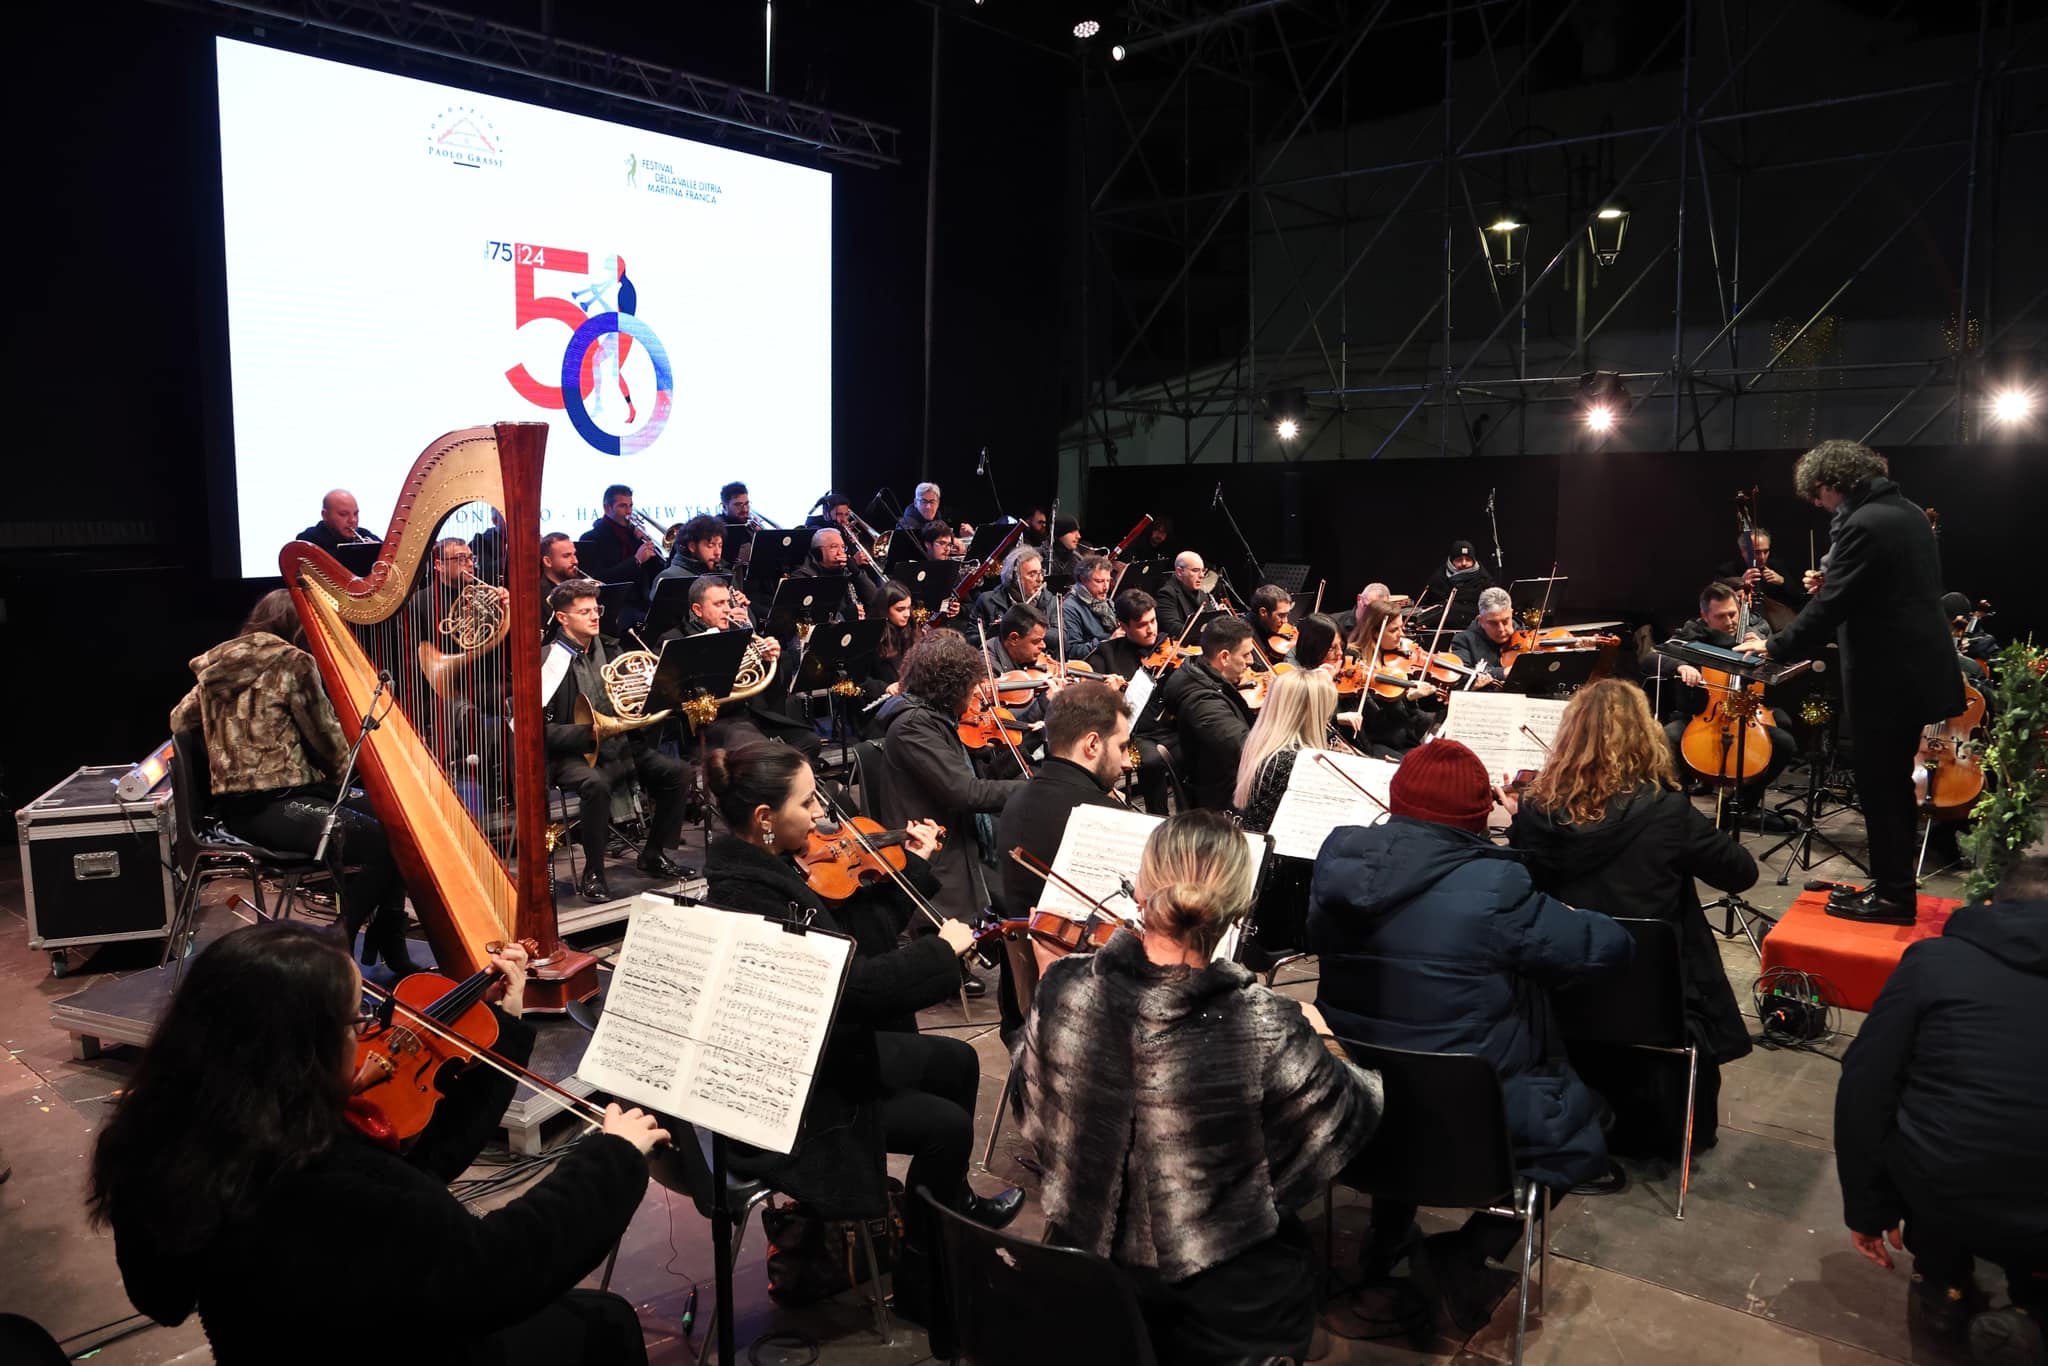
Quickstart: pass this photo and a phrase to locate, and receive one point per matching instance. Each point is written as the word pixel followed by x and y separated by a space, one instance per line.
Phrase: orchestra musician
pixel 1022 584
pixel 1720 614
pixel 615 550
pixel 700 548
pixel 1347 622
pixel 1390 726
pixel 274 750
pixel 1063 556
pixel 1184 1111
pixel 661 777
pixel 1270 605
pixel 761 717
pixel 931 773
pixel 557 567
pixel 1296 716
pixel 340 523
pixel 1480 644
pixel 1878 594
pixel 1088 615
pixel 1087 730
pixel 1754 570
pixel 1461 571
pixel 1209 712
pixel 924 508
pixel 891 602
pixel 1123 656
pixel 238 1174
pixel 1181 598
pixel 1018 643
pixel 938 541
pixel 736 503
pixel 1035 528
pixel 879 1079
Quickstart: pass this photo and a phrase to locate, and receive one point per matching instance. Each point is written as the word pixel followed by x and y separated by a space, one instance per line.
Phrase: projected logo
pixel 462 137
pixel 614 381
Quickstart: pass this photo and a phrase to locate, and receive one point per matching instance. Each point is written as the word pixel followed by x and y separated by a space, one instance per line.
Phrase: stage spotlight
pixel 1600 418
pixel 1608 229
pixel 1287 429
pixel 2012 406
pixel 1603 399
pixel 1288 408
pixel 1118 53
pixel 1087 28
pixel 1506 239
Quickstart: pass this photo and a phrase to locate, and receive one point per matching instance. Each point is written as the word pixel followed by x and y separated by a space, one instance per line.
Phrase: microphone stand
pixel 987 468
pixel 1217 503
pixel 1499 563
pixel 348 767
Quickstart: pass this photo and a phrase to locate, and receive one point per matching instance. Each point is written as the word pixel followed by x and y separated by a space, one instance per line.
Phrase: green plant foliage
pixel 2006 820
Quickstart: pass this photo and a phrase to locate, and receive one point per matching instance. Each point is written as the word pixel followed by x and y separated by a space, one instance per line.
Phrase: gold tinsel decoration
pixel 1796 416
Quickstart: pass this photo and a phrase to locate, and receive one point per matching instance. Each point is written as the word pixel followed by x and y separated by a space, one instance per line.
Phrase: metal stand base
pixel 1806 814
pixel 1741 918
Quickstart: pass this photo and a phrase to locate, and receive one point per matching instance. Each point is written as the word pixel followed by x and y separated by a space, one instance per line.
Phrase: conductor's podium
pixel 1855 958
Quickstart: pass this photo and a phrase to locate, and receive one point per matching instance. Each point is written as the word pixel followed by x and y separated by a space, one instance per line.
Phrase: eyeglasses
pixel 369 1019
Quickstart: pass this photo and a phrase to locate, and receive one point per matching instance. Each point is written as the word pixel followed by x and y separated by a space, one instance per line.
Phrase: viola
pixel 989 724
pixel 399 1066
pixel 1948 777
pixel 1555 639
pixel 1066 935
pixel 1282 641
pixel 1170 656
pixel 839 863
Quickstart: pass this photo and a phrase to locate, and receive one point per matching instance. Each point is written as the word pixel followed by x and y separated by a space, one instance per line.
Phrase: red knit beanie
pixel 1443 782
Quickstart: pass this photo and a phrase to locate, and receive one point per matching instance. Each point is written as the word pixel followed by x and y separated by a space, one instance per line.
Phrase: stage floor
pixel 1760 1270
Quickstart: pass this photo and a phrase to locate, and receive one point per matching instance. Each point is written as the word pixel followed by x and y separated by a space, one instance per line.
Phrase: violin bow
pixel 868 847
pixel 995 700
pixel 589 1113
pixel 1097 905
pixel 1323 758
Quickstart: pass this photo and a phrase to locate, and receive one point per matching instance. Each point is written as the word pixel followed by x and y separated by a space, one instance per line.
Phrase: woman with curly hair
pixel 1878 596
pixel 930 774
pixel 1605 827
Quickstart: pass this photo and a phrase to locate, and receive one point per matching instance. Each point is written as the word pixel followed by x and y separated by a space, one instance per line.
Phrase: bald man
pixel 1181 597
pixel 340 522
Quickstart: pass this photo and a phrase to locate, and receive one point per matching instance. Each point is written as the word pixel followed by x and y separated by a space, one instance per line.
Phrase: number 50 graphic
pixel 602 332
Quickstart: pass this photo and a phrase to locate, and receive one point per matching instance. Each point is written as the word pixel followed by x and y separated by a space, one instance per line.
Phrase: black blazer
pixel 1034 819
pixel 1882 604
pixel 838 1161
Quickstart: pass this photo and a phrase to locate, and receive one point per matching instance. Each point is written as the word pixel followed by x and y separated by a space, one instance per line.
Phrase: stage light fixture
pixel 2012 405
pixel 1600 418
pixel 1287 429
pixel 1608 230
pixel 1288 408
pixel 1087 28
pixel 1603 401
pixel 1505 240
pixel 1118 53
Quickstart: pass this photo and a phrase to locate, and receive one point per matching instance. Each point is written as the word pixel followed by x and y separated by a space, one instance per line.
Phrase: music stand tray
pixel 1749 668
pixel 776 553
pixel 988 536
pixel 669 607
pixel 357 556
pixel 1060 584
pixel 929 582
pixel 612 599
pixel 1546 595
pixel 703 665
pixel 834 650
pixel 1552 673
pixel 1292 577
pixel 807 600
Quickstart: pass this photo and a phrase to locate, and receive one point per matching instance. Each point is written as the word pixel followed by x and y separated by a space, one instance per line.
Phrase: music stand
pixel 988 536
pixel 776 553
pixel 669 607
pixel 1552 673
pixel 1544 596
pixel 829 660
pixel 929 582
pixel 612 600
pixel 807 601
pixel 1292 577
pixel 690 667
pixel 1060 584
pixel 357 556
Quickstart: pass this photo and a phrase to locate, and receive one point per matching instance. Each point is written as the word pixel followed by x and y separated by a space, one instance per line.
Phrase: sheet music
pixel 1100 849
pixel 1318 800
pixel 1490 725
pixel 1138 691
pixel 717 1018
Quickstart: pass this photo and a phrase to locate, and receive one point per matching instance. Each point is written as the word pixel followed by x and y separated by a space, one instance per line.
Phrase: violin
pixel 398 1066
pixel 989 724
pixel 1552 641
pixel 1282 641
pixel 1947 775
pixel 839 863
pixel 1015 687
pixel 1170 655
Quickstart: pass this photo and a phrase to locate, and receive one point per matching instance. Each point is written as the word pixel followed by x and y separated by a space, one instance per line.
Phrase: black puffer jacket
pixel 1435 940
pixel 1941 1106
pixel 837 1166
pixel 1639 860
pixel 1213 721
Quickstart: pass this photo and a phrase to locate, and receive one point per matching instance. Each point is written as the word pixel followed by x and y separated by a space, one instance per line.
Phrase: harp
pixel 455 763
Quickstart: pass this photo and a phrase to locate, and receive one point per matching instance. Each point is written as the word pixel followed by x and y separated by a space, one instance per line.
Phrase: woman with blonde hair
pixel 1605 827
pixel 1296 716
pixel 1184 1111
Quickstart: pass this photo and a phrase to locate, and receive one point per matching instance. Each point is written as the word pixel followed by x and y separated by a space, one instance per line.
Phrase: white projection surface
pixel 405 258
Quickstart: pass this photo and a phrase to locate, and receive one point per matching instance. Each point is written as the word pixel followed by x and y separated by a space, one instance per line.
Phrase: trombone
pixel 650 531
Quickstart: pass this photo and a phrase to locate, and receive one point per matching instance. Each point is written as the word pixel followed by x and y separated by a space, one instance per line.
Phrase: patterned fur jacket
pixel 267 721
pixel 1178 1112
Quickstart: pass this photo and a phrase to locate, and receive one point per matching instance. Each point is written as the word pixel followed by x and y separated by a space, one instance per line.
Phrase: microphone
pixel 1216 500
pixel 981 465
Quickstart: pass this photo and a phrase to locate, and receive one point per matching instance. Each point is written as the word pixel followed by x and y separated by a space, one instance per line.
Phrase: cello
pixel 1947 775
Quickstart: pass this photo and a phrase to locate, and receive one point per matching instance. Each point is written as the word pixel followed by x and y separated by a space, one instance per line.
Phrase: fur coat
pixel 267 721
pixel 1178 1112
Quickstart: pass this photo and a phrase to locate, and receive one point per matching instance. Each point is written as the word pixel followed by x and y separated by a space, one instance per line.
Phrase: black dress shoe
pixel 1871 909
pixel 592 887
pixel 994 1211
pixel 971 984
pixel 656 864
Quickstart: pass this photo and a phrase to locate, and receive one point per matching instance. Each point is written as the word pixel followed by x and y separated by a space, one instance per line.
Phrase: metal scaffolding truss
pixel 635 88
pixel 1219 165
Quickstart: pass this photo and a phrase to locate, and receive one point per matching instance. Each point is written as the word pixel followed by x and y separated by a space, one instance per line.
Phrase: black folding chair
pixel 1443 1141
pixel 1020 1302
pixel 684 1167
pixel 1642 1007
pixel 870 777
pixel 204 849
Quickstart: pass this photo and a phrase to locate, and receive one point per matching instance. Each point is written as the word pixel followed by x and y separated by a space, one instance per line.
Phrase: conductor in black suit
pixel 1878 595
